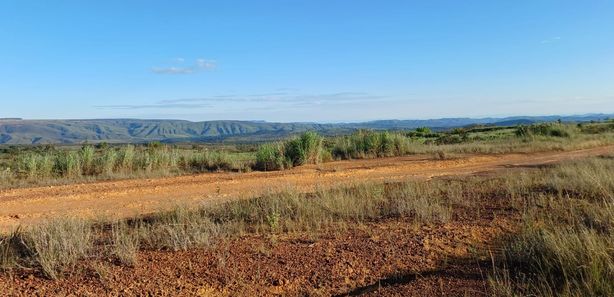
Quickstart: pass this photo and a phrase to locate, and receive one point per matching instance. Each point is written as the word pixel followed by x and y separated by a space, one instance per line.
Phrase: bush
pixel 125 243
pixel 126 158
pixel 544 129
pixel 370 144
pixel 87 155
pixel 450 139
pixel 270 156
pixel 58 245
pixel 68 164
pixel 305 149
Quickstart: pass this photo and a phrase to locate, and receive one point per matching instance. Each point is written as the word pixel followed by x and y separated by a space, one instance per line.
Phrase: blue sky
pixel 317 60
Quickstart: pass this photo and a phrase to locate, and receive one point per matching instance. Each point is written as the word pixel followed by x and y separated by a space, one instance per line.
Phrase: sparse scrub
pixel 125 243
pixel 292 211
pixel 562 262
pixel 57 245
pixel 564 247
pixel 424 202
pixel 109 162
pixel 10 250
pixel 180 229
pixel 48 165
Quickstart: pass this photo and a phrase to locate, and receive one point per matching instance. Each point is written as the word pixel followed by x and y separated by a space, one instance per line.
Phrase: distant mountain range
pixel 18 131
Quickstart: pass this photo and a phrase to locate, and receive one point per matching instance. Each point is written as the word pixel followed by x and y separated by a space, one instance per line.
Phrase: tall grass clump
pixel 125 243
pixel 565 246
pixel 561 262
pixel 270 156
pixel 107 162
pixel 68 164
pixel 88 154
pixel 370 144
pixel 546 129
pixel 125 161
pixel 34 165
pixel 291 211
pixel 179 229
pixel 305 149
pixel 57 245
pixel 210 161
pixel 11 250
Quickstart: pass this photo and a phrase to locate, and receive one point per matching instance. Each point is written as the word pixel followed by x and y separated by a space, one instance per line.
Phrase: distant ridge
pixel 18 131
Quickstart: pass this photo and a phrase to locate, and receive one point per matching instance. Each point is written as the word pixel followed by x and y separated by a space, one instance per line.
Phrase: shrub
pixel 544 129
pixel 304 149
pixel 57 245
pixel 106 162
pixel 179 229
pixel 563 262
pixel 270 156
pixel 125 243
pixel 68 164
pixel 423 130
pixel 450 139
pixel 126 158
pixel 87 154
pixel 370 144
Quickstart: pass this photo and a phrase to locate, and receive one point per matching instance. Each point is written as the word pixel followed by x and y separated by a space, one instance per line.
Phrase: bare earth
pixel 126 198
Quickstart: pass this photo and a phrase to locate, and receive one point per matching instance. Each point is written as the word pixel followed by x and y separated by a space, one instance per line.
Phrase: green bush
pixel 87 154
pixel 270 156
pixel 304 149
pixel 126 158
pixel 68 164
pixel 544 129
pixel 370 144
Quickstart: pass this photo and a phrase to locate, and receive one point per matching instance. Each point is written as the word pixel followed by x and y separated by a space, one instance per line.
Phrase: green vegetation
pixel 305 149
pixel 371 144
pixel 49 165
pixel 562 244
pixel 565 245
pixel 55 247
pixel 546 129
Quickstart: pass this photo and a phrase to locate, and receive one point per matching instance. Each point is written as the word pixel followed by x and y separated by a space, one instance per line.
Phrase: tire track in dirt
pixel 125 198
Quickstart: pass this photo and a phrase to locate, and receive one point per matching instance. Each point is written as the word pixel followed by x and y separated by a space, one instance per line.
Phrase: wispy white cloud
pixel 205 64
pixel 155 106
pixel 551 40
pixel 179 67
pixel 286 98
pixel 270 100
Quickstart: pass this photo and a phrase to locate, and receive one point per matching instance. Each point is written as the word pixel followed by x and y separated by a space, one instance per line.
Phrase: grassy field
pixel 560 245
pixel 47 165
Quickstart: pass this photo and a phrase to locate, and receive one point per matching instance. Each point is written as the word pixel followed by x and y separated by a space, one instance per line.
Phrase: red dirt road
pixel 126 198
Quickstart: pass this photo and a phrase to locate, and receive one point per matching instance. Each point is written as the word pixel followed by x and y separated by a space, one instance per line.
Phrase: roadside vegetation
pixel 565 243
pixel 561 245
pixel 22 166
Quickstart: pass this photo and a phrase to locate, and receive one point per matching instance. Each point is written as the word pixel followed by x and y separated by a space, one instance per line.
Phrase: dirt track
pixel 117 199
